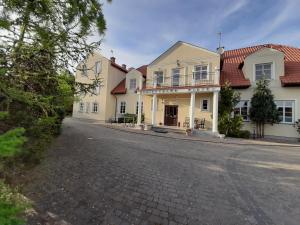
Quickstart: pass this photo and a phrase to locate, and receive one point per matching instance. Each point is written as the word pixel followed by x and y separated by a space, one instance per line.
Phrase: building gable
pixel 182 49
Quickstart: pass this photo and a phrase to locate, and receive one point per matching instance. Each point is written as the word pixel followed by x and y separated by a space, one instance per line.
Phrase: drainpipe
pixel 116 106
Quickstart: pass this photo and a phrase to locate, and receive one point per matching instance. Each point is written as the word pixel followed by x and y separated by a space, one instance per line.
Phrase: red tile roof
pixel 143 70
pixel 117 66
pixel 120 88
pixel 232 70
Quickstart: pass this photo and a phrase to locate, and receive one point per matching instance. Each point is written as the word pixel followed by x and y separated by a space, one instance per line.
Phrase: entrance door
pixel 171 112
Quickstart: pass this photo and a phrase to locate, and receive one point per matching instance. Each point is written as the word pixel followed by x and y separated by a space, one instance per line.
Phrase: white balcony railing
pixel 210 78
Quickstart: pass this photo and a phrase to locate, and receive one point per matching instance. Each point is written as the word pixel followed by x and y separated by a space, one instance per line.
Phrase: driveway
pixel 96 175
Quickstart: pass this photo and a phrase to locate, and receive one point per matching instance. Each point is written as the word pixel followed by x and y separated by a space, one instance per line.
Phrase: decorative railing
pixel 210 78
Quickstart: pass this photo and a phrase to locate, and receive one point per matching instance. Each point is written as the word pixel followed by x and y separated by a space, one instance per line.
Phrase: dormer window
pixel 263 70
pixel 132 84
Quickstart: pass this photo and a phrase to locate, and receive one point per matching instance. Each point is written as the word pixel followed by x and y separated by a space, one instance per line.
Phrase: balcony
pixel 183 81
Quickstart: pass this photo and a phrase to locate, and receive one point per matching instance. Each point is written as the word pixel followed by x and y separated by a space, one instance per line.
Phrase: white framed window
pixel 159 78
pixel 95 107
pixel 98 67
pixel 87 107
pixel 175 77
pixel 201 72
pixel 137 107
pixel 81 107
pixel 97 90
pixel 84 70
pixel 286 109
pixel 204 105
pixel 123 107
pixel 132 84
pixel 242 109
pixel 263 70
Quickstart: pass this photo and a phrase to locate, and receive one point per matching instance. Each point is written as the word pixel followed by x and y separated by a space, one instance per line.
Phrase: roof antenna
pixel 220 49
pixel 220 38
pixel 112 53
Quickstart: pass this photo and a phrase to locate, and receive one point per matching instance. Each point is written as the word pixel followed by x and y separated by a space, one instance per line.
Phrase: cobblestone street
pixel 96 175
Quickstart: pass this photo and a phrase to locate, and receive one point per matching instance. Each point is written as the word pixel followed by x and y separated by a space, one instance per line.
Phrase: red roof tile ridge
pixel 120 88
pixel 267 45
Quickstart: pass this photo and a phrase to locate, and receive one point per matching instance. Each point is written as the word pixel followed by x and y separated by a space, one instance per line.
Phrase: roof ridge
pixel 267 45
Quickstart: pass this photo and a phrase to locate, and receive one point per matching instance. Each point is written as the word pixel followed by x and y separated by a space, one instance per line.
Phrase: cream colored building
pixel 101 105
pixel 127 99
pixel 281 65
pixel 182 88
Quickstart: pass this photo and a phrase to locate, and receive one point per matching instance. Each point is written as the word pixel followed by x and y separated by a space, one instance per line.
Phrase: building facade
pixel 281 65
pixel 125 93
pixel 102 104
pixel 182 88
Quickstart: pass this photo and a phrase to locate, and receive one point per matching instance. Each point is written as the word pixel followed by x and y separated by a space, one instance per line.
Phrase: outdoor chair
pixel 202 123
pixel 186 122
pixel 196 123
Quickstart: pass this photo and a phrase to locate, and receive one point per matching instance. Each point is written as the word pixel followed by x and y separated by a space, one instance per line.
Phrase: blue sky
pixel 140 30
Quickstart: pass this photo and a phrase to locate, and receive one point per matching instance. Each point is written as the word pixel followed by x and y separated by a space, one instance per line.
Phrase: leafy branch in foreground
pixel 40 42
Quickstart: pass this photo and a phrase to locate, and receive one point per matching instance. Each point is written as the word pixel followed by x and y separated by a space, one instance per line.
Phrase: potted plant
pixel 188 132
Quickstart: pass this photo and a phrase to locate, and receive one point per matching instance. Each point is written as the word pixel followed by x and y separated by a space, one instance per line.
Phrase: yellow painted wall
pixel 183 102
pixel 115 76
pixel 110 78
pixel 131 96
pixel 188 56
pixel 279 92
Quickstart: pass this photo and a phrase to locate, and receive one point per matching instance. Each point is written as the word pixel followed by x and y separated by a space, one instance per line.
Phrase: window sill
pixel 286 123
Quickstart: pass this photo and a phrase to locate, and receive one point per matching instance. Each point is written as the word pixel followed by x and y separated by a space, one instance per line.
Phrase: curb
pixel 198 140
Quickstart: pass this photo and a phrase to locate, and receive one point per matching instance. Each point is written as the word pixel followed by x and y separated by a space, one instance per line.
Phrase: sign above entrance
pixel 181 90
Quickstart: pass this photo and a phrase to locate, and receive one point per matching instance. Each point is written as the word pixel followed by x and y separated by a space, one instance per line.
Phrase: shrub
pixel 244 134
pixel 129 118
pixel 11 142
pixel 230 126
pixel 12 206
pixel 40 135
pixel 3 115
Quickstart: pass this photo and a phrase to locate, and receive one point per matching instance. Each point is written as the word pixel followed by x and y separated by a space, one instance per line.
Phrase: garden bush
pixel 129 118
pixel 12 206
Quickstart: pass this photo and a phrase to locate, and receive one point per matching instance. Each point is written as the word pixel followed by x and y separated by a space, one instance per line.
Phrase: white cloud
pixel 125 56
pixel 231 9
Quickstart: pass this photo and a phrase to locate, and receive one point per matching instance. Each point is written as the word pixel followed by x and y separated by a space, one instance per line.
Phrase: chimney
pixel 124 66
pixel 113 59
pixel 220 50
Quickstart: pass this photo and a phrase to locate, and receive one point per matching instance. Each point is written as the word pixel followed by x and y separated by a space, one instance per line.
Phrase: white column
pixel 215 112
pixel 192 110
pixel 139 117
pixel 154 109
